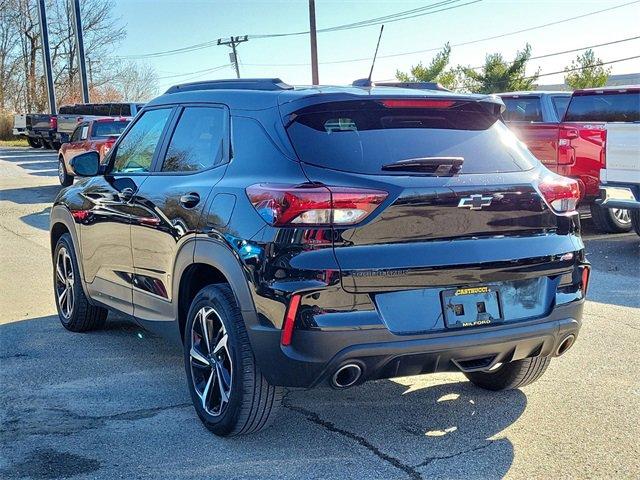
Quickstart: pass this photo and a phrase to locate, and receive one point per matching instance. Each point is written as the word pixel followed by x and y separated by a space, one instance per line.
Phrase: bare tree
pixel 137 82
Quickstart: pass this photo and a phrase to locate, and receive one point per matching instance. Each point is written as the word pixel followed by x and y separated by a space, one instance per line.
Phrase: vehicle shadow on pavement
pixel 59 387
pixel 615 262
pixel 30 195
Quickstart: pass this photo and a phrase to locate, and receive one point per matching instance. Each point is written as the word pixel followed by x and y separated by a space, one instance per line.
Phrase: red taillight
pixel 566 152
pixel 417 103
pixel 290 320
pixel 80 215
pixel 560 193
pixel 313 205
pixel 53 123
pixel 586 273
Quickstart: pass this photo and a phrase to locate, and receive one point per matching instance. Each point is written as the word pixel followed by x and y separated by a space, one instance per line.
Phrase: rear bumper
pixel 620 196
pixel 314 356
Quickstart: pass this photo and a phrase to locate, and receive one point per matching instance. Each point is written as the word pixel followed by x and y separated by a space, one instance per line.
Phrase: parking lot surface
pixel 114 403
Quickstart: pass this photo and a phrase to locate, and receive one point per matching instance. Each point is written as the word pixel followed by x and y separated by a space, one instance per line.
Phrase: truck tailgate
pixel 622 153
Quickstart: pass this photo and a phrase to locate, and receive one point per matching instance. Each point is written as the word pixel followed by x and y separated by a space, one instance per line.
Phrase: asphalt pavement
pixel 114 404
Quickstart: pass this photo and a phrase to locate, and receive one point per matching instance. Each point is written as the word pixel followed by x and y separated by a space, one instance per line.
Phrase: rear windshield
pixel 108 129
pixel 522 109
pixel 363 136
pixel 606 106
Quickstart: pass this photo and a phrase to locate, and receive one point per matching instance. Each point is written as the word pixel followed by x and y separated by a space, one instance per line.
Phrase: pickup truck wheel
pixel 34 142
pixel 511 375
pixel 611 220
pixel 635 220
pixel 74 310
pixel 64 178
pixel 229 393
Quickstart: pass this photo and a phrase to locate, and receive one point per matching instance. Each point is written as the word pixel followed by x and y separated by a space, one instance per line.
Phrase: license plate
pixel 471 306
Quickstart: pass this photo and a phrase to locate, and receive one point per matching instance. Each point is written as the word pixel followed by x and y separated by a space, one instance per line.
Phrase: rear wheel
pixel 63 177
pixel 635 220
pixel 74 310
pixel 611 220
pixel 34 142
pixel 229 393
pixel 511 375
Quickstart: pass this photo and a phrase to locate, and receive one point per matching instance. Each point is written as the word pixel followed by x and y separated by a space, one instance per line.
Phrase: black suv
pixel 292 237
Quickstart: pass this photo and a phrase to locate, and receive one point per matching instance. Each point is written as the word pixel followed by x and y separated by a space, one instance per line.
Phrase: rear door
pixel 167 208
pixel 487 217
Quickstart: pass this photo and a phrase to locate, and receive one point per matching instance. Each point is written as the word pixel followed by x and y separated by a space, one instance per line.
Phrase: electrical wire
pixel 434 49
pixel 426 10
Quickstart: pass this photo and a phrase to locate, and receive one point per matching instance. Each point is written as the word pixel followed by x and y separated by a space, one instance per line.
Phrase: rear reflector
pixel 290 320
pixel 313 204
pixel 586 273
pixel 560 193
pixel 417 103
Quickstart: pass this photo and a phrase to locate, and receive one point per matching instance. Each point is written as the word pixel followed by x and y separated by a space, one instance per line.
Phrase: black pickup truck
pixel 41 130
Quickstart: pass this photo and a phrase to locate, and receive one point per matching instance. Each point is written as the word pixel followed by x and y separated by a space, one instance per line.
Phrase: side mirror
pixel 86 164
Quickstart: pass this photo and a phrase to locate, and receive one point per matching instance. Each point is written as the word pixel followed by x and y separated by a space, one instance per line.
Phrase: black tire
pixel 635 220
pixel 511 375
pixel 606 221
pixel 81 316
pixel 56 146
pixel 63 177
pixel 47 144
pixel 34 142
pixel 252 402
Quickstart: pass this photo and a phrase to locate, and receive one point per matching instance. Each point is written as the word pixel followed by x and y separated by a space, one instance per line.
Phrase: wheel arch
pixel 211 263
pixel 61 222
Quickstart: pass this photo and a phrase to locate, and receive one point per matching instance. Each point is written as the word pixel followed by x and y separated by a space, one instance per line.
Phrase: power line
pixel 426 10
pixel 470 42
pixel 546 55
pixel 198 72
pixel 396 17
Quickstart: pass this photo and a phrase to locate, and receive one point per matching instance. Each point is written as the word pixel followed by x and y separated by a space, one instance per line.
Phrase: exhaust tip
pixel 346 376
pixel 565 345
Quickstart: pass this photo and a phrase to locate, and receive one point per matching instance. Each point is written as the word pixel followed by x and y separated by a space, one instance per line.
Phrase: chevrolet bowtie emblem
pixel 475 202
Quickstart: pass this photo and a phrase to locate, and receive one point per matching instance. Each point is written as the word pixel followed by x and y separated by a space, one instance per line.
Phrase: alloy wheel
pixel 622 215
pixel 61 172
pixel 210 358
pixel 64 282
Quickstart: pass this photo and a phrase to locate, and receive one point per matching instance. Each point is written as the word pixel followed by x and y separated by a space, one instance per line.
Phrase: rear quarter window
pixel 604 106
pixel 522 109
pixel 362 137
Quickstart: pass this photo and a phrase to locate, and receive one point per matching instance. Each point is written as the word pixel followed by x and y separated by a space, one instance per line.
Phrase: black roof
pixel 263 93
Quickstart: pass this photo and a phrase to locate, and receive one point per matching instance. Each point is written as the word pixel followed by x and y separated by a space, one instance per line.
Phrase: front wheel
pixel 63 177
pixel 74 310
pixel 611 220
pixel 511 375
pixel 229 393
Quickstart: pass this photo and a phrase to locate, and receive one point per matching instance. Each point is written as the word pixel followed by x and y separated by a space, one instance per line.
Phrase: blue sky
pixel 160 25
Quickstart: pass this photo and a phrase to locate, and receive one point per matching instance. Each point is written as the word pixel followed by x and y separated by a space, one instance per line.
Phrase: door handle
pixel 126 194
pixel 190 200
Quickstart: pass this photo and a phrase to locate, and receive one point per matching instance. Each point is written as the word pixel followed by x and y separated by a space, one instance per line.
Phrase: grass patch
pixel 17 142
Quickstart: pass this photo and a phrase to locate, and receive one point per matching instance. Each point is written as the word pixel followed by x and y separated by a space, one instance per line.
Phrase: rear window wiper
pixel 437 166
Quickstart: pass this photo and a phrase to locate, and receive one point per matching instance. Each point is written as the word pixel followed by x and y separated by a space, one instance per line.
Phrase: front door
pixel 106 227
pixel 168 206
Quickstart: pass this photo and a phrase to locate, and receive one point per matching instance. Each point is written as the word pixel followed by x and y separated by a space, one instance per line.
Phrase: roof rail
pixel 269 84
pixel 413 85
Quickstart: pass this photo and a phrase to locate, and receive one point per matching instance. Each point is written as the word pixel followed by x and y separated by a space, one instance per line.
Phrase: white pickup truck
pixel 620 179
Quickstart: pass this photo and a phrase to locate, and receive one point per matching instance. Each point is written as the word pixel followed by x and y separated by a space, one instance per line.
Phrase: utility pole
pixel 46 57
pixel 77 27
pixel 314 43
pixel 233 43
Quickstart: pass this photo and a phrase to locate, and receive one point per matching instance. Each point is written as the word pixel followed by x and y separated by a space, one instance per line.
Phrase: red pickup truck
pixel 568 132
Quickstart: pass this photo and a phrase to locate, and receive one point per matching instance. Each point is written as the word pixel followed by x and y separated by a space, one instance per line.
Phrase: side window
pixel 135 151
pixel 197 142
pixel 75 136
